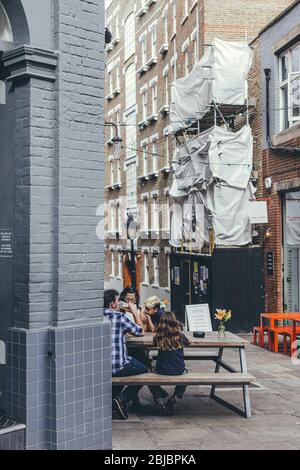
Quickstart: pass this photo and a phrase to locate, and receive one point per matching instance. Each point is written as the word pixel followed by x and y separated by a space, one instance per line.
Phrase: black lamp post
pixel 131 235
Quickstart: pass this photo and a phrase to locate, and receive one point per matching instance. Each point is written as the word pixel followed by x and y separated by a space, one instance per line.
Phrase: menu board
pixel 197 318
pixel 6 243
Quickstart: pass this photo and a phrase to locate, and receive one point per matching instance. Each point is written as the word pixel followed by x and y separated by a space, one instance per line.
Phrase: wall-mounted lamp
pixel 268 234
pixel 116 140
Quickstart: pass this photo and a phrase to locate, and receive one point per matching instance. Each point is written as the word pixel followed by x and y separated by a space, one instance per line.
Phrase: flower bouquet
pixel 223 316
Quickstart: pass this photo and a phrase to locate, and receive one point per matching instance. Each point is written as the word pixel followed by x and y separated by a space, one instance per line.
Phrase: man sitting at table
pixel 122 364
pixel 152 313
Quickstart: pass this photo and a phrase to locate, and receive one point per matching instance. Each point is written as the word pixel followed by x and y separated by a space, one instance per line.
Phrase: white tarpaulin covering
pixel 230 208
pixel 293 219
pixel 231 155
pixel 230 67
pixel 211 175
pixel 189 223
pixel 191 95
pixel 220 77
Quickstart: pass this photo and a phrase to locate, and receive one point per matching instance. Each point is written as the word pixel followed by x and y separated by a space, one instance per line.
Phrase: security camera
pixel 268 183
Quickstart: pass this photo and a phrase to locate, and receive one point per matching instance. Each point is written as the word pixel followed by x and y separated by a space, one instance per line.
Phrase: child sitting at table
pixel 170 341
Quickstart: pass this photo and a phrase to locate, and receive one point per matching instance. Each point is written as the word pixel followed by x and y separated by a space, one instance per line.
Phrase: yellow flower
pixel 222 315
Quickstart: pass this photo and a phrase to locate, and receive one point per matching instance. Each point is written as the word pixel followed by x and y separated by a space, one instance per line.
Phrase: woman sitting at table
pixel 170 341
pixel 130 301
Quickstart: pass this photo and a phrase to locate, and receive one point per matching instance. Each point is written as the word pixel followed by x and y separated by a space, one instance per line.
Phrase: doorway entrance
pixel 291 248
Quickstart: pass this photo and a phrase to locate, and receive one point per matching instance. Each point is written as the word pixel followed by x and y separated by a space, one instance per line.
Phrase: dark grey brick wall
pixel 269 59
pixel 59 384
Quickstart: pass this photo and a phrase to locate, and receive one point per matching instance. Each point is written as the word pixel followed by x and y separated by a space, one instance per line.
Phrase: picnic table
pixel 273 329
pixel 210 342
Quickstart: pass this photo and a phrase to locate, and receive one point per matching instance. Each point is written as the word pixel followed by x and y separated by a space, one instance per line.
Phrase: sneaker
pixel 162 405
pixel 119 406
pixel 170 405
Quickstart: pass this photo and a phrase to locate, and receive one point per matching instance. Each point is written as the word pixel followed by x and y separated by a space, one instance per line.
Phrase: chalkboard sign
pixel 270 263
pixel 6 244
pixel 197 318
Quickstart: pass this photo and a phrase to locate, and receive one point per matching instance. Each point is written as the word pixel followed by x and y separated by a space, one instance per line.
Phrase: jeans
pixel 135 367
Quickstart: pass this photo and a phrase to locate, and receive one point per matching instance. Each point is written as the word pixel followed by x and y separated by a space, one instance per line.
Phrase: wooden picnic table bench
pixel 195 352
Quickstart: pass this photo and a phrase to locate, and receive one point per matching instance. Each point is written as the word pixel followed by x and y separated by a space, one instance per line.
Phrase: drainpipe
pixel 267 72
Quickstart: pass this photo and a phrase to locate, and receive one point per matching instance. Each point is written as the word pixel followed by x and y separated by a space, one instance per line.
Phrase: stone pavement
pixel 200 423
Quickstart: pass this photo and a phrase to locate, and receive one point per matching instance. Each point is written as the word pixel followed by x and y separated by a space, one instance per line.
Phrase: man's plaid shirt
pixel 120 325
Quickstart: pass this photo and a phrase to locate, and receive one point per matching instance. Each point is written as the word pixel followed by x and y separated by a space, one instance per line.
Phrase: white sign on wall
pixel 197 318
pixel 258 212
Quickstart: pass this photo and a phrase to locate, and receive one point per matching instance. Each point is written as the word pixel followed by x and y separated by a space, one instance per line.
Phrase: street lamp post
pixel 131 235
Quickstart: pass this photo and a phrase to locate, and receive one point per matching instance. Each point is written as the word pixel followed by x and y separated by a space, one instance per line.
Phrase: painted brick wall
pixel 79 27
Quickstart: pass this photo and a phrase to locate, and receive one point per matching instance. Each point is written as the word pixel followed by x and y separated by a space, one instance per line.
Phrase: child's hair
pixel 168 333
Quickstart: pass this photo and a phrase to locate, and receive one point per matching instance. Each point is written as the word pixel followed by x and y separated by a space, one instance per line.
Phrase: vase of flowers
pixel 223 316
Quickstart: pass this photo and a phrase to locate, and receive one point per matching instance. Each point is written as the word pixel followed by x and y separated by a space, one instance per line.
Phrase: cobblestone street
pixel 200 423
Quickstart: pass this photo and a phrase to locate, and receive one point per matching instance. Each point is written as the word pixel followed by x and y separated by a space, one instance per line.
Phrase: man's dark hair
pixel 110 296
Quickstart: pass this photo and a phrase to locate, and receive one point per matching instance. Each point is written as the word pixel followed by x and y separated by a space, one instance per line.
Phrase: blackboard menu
pixel 6 243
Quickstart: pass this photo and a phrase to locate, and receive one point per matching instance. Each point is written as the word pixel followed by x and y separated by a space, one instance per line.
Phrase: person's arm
pixel 150 325
pixel 186 341
pixel 137 319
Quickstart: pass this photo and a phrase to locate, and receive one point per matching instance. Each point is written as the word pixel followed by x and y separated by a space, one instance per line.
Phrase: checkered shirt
pixel 120 325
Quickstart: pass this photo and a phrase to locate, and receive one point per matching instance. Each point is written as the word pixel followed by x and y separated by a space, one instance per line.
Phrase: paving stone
pixel 201 423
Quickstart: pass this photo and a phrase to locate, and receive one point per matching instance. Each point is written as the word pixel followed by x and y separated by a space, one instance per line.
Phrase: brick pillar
pixel 59 372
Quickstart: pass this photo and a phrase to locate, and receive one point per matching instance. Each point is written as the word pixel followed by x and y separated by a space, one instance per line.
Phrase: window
pixel 118 218
pixel 112 218
pixel 120 265
pixel 155 215
pixel 186 57
pixel 186 62
pixel 5 28
pixel 195 46
pixel 145 106
pixel 131 185
pixel 130 86
pixel 110 82
pixel 144 50
pixel 154 156
pixel 112 172
pixel 174 16
pixel 146 268
pixel 118 75
pixel 117 25
pixel 154 99
pixel 289 70
pixel 118 163
pixel 156 270
pixel 145 215
pixel 154 42
pixel 165 27
pixel 166 86
pixel 168 270
pixel 145 159
pixel 118 122
pixel 131 135
pixel 167 214
pixel 129 36
pixel 166 152
pixel 113 265
pixel 186 8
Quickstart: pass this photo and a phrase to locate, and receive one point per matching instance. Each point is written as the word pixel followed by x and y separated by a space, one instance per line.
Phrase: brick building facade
pixel 154 43
pixel 276 131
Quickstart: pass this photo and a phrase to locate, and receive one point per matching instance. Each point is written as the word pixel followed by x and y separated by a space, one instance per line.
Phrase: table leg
pixel 246 395
pixel 217 369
